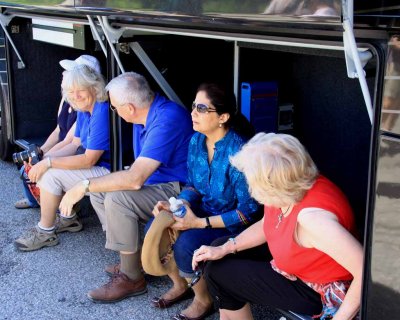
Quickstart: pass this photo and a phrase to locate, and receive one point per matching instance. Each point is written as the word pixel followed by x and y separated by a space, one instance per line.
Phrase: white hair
pixel 85 78
pixel 130 87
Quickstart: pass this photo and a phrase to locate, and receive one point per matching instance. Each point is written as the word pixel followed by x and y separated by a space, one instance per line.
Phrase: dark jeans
pixel 248 277
pixel 190 240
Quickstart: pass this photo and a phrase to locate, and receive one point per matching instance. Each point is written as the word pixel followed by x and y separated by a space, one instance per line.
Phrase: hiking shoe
pixel 35 239
pixel 112 269
pixel 70 225
pixel 76 208
pixel 118 288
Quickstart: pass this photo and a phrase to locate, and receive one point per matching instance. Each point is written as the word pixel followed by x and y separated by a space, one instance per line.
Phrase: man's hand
pixel 71 197
pixel 38 170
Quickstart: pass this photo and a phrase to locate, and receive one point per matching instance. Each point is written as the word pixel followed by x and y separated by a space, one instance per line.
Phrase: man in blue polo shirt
pixel 162 131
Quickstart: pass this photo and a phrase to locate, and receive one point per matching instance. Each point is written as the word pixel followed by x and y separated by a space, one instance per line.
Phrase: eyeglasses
pixel 202 108
pixel 197 274
pixel 115 108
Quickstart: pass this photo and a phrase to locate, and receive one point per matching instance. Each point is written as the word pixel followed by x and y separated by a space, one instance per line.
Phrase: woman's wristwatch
pixel 208 224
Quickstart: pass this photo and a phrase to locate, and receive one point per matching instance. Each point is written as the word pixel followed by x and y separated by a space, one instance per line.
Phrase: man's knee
pixel 111 199
pixel 97 198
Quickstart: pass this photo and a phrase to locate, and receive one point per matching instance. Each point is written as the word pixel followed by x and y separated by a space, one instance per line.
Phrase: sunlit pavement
pixel 52 283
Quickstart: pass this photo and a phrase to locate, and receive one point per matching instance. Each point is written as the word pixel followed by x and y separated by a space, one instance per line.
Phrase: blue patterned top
pixel 218 188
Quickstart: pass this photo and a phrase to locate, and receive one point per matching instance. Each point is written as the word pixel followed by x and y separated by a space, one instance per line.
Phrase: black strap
pixel 208 226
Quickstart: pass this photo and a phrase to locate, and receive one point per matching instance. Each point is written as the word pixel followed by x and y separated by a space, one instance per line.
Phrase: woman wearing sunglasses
pixel 216 196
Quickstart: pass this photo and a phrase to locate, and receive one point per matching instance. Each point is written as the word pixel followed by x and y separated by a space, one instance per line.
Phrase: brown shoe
pixel 112 269
pixel 118 288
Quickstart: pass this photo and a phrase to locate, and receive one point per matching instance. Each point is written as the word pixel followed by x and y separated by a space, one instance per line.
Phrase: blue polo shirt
pixel 165 138
pixel 93 130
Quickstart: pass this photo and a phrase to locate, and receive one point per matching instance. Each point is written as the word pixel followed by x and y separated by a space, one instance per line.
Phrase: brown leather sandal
pixel 161 303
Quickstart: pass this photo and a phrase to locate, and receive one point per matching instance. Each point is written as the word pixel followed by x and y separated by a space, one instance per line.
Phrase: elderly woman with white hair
pixel 316 266
pixel 87 156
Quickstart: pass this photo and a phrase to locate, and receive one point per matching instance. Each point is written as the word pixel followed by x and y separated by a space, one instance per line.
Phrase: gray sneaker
pixel 70 225
pixel 35 239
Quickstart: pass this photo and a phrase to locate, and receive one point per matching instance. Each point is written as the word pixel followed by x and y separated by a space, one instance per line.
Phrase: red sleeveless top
pixel 309 265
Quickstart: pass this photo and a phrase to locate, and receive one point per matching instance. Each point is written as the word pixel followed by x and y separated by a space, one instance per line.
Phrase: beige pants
pixel 120 212
pixel 57 181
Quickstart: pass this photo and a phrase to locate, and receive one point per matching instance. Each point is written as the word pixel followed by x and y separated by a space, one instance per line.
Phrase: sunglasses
pixel 202 108
pixel 197 274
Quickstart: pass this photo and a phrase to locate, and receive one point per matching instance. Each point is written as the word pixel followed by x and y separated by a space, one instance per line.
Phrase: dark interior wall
pixel 185 63
pixel 332 121
pixel 37 88
pixel 330 116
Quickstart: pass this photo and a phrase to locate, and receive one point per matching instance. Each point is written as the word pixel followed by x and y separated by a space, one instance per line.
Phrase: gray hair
pixel 131 87
pixel 85 78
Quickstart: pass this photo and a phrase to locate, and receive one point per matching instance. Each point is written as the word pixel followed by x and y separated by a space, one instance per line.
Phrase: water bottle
pixel 177 207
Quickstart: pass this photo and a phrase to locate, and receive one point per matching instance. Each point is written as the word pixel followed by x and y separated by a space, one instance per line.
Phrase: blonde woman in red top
pixel 316 266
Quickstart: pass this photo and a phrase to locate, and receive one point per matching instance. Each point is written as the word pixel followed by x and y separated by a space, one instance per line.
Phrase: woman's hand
pixel 38 170
pixel 161 205
pixel 205 253
pixel 27 164
pixel 189 221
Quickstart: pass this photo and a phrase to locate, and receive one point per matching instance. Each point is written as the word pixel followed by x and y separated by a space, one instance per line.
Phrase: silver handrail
pixel 114 52
pixel 354 66
pixel 4 20
pixel 96 33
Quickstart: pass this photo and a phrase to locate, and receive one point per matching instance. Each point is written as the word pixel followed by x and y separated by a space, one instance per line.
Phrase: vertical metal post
pixel 236 54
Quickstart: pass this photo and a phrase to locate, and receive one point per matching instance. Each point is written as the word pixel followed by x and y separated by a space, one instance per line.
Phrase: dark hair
pixel 224 101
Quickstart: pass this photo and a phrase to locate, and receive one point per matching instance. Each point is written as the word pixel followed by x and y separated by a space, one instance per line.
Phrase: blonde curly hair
pixel 277 167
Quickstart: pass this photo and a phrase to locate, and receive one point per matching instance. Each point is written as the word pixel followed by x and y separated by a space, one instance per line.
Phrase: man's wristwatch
pixel 86 183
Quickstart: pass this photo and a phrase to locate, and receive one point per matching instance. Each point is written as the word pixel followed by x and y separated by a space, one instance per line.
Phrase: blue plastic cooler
pixel 259 104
